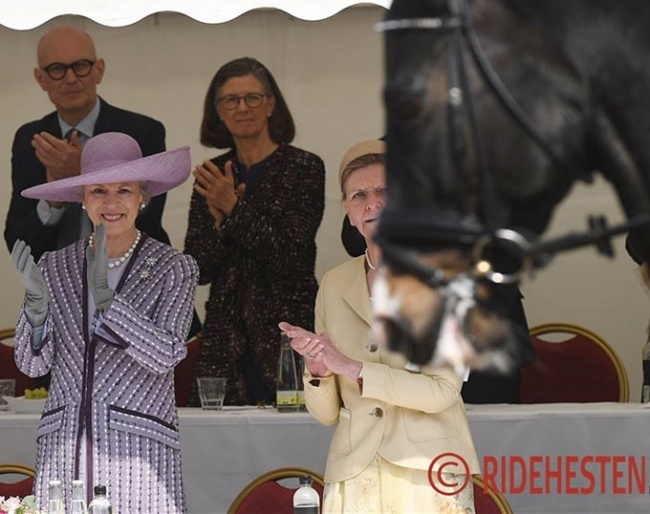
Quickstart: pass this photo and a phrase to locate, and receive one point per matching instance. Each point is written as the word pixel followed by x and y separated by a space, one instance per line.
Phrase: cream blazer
pixel 409 418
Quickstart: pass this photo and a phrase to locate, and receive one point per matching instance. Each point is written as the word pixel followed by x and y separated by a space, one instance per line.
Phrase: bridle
pixel 468 231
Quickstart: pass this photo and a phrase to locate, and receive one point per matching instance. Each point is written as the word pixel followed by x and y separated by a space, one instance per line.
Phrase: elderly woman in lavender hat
pixel 109 316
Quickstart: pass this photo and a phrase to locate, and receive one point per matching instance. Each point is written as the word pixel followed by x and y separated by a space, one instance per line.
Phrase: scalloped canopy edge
pixel 29 14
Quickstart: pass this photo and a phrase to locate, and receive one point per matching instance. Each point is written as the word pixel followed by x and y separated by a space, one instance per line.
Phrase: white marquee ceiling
pixel 28 14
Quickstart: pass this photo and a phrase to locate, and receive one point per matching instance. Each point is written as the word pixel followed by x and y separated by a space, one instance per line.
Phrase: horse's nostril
pixel 400 338
pixel 392 336
pixel 390 333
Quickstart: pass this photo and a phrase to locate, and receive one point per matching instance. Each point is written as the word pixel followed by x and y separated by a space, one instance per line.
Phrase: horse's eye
pixel 403 109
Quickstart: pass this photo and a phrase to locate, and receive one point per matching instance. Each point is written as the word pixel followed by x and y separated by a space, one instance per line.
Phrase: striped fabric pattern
pixel 114 386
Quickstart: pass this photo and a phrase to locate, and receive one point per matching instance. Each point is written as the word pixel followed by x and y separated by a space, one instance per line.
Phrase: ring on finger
pixel 310 356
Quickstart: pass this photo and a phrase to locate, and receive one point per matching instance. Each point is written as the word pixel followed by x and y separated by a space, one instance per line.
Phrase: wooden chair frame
pixel 21 487
pixel 7 333
pixel 17 469
pixel 273 476
pixel 547 328
pixel 498 498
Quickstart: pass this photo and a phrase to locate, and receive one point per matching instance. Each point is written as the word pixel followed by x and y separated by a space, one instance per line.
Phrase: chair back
pixel 8 368
pixel 573 365
pixel 184 375
pixel 487 500
pixel 266 494
pixel 22 486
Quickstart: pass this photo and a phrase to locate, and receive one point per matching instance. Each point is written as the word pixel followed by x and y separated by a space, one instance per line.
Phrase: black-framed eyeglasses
pixel 57 70
pixel 231 102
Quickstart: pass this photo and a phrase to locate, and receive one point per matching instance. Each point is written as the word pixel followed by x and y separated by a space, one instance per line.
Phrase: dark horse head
pixel 495 108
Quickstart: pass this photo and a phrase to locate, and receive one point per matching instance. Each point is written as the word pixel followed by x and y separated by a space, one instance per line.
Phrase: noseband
pixel 468 231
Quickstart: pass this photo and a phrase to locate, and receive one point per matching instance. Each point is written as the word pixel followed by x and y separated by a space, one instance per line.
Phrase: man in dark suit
pixel 50 148
pixel 69 71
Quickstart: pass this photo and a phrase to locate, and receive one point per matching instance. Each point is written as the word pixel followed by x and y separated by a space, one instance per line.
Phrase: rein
pixel 436 229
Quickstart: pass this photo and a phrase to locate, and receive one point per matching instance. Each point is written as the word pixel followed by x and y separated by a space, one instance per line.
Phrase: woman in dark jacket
pixel 254 214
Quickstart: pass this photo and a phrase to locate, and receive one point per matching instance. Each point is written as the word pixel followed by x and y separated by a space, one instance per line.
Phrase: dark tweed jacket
pixel 260 266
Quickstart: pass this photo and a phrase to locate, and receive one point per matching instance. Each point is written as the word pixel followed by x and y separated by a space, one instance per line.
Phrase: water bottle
pixel 306 499
pixel 287 386
pixel 100 503
pixel 645 392
pixel 55 497
pixel 301 386
pixel 78 504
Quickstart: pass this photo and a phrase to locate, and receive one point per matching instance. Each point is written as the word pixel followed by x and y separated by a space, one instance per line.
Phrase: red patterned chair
pixel 487 500
pixel 184 375
pixel 23 486
pixel 8 368
pixel 266 494
pixel 573 365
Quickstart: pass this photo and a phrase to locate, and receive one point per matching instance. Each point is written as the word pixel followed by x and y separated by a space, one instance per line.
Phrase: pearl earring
pixel 142 206
pixel 83 206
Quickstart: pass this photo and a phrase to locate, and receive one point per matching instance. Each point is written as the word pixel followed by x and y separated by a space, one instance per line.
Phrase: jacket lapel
pixel 103 123
pixel 51 125
pixel 356 296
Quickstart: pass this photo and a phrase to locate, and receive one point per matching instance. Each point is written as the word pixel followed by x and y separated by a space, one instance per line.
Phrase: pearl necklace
pixel 373 268
pixel 120 260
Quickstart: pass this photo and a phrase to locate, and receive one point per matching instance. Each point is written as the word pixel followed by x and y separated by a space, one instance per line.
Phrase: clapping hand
pixel 321 356
pixel 337 361
pixel 36 297
pixel 61 158
pixel 97 260
pixel 218 189
pixel 308 345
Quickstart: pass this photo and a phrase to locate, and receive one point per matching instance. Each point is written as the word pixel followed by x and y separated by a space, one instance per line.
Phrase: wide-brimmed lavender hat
pixel 115 157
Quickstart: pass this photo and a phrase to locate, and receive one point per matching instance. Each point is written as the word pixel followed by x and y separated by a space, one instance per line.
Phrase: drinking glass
pixel 212 392
pixel 7 388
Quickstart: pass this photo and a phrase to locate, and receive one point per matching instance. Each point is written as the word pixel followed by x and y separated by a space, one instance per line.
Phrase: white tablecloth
pixel 223 451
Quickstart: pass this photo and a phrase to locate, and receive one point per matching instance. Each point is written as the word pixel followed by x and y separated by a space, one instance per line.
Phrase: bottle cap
pixel 305 479
pixel 100 489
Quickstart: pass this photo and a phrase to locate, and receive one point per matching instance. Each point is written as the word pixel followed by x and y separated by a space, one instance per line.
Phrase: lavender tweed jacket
pixel 115 389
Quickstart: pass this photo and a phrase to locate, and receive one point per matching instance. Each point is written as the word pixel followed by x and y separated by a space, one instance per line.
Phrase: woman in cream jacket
pixel 392 423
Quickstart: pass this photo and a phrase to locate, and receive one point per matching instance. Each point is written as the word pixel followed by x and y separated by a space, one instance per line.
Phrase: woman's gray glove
pixel 36 298
pixel 98 271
